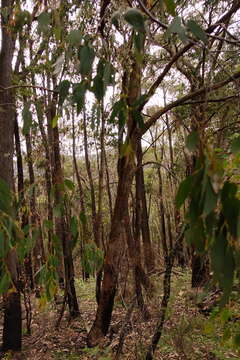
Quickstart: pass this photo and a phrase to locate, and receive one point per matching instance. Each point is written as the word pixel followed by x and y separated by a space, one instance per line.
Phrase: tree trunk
pixel 126 170
pixel 85 232
pixel 62 223
pixel 144 225
pixel 109 284
pixel 38 250
pixel 12 329
pixel 21 197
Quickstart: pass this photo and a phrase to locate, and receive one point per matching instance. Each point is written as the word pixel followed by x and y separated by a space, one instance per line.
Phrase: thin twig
pixel 27 86
pixel 123 332
pixel 167 290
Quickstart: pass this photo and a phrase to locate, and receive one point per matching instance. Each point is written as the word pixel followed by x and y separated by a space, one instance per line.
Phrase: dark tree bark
pixel 21 196
pixel 95 222
pixel 62 221
pixel 133 242
pixel 161 208
pixel 38 250
pixel 48 174
pixel 144 224
pixel 126 170
pixel 12 330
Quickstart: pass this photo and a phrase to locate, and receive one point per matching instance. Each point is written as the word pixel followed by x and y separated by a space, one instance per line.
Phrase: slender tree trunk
pixel 38 250
pixel 161 210
pixel 108 184
pixel 133 242
pixel 95 224
pixel 144 225
pixel 126 169
pixel 85 231
pixel 108 289
pixel 62 223
pixel 21 195
pixel 12 327
pixel 96 214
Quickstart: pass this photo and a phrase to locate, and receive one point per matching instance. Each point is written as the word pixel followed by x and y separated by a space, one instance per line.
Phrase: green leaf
pixel 86 57
pixel 22 18
pixel 92 258
pixel 119 109
pixel 75 37
pixel 79 91
pixel 210 200
pixel 63 89
pixel 197 31
pixel 126 149
pixel 108 74
pixel 57 211
pixel 98 87
pixel 44 19
pixel 235 146
pixel 192 141
pixel 223 265
pixel 135 18
pixel 176 28
pixel 138 118
pixel 195 236
pixel 229 191
pixel 237 340
pixel 74 226
pixel 115 19
pixel 55 121
pixel 83 218
pixel 231 207
pixel 184 190
pixel 69 184
pixel 48 224
pixel 170 5
pixel 27 119
pixel 4 283
pixel 139 40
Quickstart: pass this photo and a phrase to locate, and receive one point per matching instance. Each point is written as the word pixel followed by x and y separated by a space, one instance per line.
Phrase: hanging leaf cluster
pixel 213 218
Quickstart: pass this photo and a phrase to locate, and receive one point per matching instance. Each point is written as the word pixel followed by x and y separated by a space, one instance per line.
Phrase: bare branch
pixel 187 47
pixel 192 95
pixel 28 86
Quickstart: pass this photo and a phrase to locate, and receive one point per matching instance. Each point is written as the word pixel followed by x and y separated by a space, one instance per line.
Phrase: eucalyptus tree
pixel 10 284
pixel 97 48
pixel 129 108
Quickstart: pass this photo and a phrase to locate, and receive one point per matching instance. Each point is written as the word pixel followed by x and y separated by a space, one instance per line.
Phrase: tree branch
pixel 181 101
pixel 28 86
pixel 181 52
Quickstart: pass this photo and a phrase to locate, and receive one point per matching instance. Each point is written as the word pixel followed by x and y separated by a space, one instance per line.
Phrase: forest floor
pixel 188 334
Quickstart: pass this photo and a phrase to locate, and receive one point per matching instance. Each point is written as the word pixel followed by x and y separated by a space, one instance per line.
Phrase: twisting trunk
pixel 108 289
pixel 126 169
pixel 12 328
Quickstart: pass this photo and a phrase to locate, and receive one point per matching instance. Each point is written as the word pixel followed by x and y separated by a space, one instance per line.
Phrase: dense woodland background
pixel 119 179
